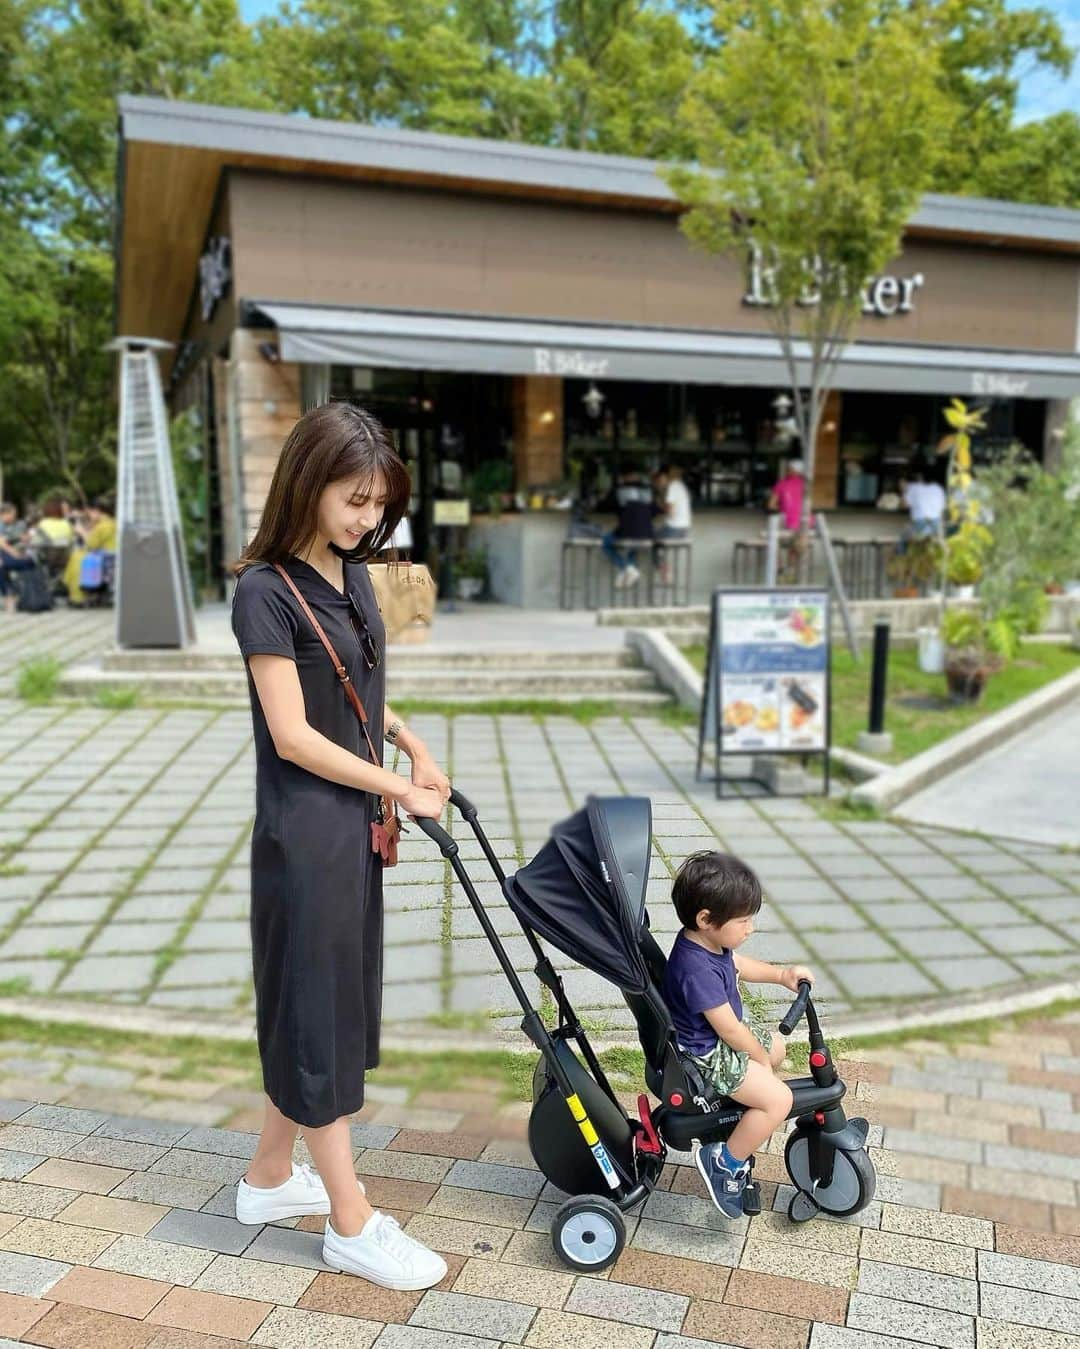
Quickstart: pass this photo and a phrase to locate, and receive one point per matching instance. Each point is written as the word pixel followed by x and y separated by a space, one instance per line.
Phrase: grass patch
pixel 478 1022
pixel 964 1032
pixel 915 729
pixel 844 811
pixel 675 715
pixel 510 1073
pixel 439 1071
pixel 117 700
pixel 37 680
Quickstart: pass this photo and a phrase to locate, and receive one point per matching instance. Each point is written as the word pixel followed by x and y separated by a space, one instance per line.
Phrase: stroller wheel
pixel 588 1233
pixel 853 1179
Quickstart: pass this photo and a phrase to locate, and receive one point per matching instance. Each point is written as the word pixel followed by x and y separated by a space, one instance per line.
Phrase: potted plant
pixel 964 560
pixel 470 571
pixel 488 487
pixel 914 566
pixel 974 650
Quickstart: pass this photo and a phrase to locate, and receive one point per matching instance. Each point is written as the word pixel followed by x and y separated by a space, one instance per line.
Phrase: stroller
pixel 584 892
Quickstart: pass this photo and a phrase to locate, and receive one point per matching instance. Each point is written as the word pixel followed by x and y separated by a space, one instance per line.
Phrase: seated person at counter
pixel 674 498
pixel 926 502
pixel 636 507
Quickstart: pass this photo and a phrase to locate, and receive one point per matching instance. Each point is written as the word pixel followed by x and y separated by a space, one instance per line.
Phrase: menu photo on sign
pixel 767 689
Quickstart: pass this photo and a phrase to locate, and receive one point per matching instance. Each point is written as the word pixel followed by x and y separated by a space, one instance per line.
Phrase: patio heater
pixel 153 591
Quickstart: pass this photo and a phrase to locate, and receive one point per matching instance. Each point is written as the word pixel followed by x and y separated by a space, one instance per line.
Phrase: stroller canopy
pixel 584 891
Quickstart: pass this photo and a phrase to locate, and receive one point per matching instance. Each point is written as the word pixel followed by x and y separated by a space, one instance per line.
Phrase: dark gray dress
pixel 316 885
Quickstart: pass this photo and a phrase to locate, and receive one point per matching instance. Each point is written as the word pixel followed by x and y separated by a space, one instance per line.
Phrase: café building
pixel 529 322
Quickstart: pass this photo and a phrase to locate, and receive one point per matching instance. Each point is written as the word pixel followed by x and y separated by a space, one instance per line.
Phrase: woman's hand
pixel 422 802
pixel 427 773
pixel 790 977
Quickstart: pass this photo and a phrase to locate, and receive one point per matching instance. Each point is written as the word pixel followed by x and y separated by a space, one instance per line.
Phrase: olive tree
pixel 815 127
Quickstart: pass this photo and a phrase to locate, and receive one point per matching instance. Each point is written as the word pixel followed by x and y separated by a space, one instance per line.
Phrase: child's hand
pixel 790 977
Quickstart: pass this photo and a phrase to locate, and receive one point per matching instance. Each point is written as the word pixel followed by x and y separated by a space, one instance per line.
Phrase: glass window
pixel 884 438
pixel 727 439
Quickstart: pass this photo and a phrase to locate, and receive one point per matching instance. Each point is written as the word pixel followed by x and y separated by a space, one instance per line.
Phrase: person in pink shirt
pixel 787 496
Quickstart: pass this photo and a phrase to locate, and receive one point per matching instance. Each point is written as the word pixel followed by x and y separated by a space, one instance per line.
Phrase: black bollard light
pixel 879 676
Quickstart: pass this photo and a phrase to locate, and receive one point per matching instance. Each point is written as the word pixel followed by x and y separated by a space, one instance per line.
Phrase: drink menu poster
pixel 774 670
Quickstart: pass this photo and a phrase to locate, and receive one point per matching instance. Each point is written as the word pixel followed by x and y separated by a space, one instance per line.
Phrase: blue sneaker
pixel 725 1186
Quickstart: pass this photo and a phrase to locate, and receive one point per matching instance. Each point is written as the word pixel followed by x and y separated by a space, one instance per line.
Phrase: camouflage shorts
pixel 725 1067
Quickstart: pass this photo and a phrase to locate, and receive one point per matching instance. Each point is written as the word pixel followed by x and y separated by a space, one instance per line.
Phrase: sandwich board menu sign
pixel 767 676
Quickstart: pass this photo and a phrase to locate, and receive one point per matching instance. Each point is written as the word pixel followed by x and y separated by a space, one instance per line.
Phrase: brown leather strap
pixel 339 669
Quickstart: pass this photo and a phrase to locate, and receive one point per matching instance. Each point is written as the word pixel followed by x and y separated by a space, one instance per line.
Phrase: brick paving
pixel 116 1230
pixel 124 863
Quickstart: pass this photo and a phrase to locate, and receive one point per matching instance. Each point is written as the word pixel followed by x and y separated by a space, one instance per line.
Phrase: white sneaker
pixel 620 579
pixel 385 1254
pixel 300 1196
pixel 631 576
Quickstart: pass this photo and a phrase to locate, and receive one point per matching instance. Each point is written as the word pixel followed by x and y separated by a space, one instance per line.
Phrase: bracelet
pixel 393 730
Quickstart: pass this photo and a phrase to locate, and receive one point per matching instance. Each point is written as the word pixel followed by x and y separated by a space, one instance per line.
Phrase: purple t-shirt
pixel 695 981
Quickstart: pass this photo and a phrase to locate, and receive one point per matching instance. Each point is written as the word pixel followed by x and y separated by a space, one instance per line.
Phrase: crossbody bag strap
pixel 339 668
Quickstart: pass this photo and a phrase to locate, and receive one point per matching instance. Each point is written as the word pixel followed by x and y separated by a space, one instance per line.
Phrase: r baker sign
pixel 882 296
pixel 574 364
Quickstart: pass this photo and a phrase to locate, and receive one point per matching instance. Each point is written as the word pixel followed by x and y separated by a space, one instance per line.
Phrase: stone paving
pixel 1025 787
pixel 115 1231
pixel 124 864
pixel 69 635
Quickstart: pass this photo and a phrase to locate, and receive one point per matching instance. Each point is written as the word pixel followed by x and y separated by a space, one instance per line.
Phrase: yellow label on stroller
pixel 588 1132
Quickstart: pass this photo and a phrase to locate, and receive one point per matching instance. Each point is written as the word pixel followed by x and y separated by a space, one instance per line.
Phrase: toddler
pixel 716 897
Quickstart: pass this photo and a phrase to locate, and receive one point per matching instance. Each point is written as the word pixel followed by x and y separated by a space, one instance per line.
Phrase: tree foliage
pixel 815 130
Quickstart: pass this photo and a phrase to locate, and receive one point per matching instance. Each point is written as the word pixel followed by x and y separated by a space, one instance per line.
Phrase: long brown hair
pixel 327 444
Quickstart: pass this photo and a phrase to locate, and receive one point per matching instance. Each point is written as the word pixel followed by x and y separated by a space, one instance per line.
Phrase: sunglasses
pixel 369 648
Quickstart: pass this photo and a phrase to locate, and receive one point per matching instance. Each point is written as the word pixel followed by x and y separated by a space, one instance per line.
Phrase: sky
pixel 1041 93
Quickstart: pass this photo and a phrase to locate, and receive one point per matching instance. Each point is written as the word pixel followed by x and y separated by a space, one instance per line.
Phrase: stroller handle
pixel 462 803
pixel 795 1012
pixel 437 833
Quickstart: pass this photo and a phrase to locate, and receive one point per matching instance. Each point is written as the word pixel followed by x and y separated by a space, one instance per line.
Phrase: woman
pixel 54 529
pixel 99 535
pixel 338 492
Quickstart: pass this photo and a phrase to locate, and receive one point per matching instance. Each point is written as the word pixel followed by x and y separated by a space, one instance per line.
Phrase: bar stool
pixel 748 562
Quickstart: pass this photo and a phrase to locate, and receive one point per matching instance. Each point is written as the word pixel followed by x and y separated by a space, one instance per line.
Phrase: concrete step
pixel 687 636
pixel 621 685
pixel 689 616
pixel 591 683
pixel 404 657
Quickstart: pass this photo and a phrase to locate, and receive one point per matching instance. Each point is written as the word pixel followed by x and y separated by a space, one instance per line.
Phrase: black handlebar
pixel 437 833
pixel 794 1013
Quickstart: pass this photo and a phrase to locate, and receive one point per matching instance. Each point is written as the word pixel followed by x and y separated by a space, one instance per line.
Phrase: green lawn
pixel 915 729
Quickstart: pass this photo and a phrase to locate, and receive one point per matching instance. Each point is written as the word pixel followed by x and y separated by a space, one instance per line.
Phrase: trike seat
pixel 690 1107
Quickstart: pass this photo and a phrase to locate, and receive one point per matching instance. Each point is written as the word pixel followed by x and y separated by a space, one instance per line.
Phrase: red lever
pixel 651 1142
pixel 819 1117
pixel 676 1098
pixel 818 1059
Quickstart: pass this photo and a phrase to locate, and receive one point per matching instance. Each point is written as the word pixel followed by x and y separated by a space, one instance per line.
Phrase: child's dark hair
pixel 718 883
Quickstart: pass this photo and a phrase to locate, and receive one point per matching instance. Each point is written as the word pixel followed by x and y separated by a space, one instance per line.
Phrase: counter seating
pixel 587 578
pixel 862 567
pixel 861 562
